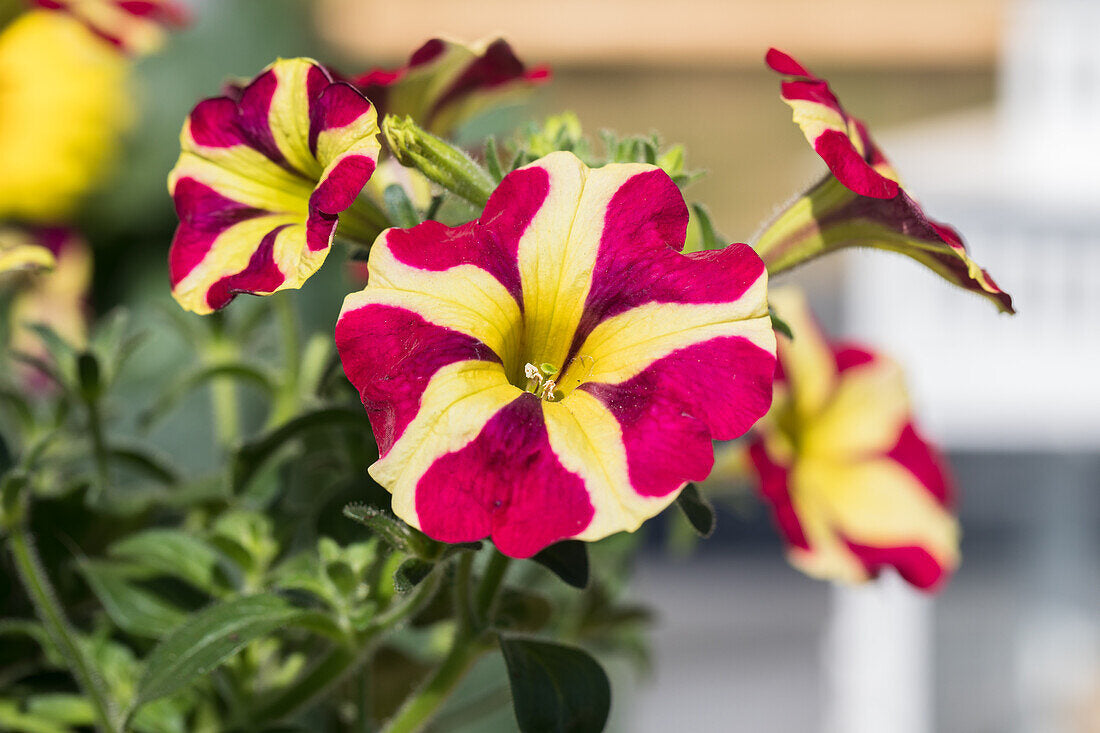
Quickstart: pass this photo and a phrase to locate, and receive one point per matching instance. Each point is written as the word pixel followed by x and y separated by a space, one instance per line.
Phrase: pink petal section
pixel 784 64
pixel 204 214
pixel 849 357
pixel 921 460
pixel 390 354
pixel 775 488
pixel 670 412
pixel 491 242
pixel 915 564
pixel 643 234
pixel 836 149
pixel 507 483
pixel 261 275
pixel 334 193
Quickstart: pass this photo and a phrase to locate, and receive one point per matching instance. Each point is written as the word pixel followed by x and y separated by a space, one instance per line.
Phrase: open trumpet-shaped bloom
pixel 557 368
pixel 853 486
pixel 265 175
pixel 446 83
pixel 862 204
pixel 134 26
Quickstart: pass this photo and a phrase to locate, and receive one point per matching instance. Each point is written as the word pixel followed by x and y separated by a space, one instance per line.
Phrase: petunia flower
pixel 63 107
pixel 446 83
pixel 134 26
pixel 57 298
pixel 555 369
pixel 862 204
pixel 21 251
pixel 265 175
pixel 853 486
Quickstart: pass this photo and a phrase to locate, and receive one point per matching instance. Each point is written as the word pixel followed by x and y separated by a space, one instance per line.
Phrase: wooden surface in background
pixel 930 33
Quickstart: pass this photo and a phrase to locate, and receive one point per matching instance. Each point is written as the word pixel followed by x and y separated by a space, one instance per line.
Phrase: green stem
pixel 469 643
pixel 419 709
pixel 99 452
pixel 286 404
pixel 489 589
pixel 48 609
pixel 462 580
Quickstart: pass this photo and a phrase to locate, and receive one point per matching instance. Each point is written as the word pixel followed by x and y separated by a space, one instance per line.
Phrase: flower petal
pixel 829 129
pixel 262 179
pixel 447 83
pixel 829 217
pixel 134 26
pixel 875 513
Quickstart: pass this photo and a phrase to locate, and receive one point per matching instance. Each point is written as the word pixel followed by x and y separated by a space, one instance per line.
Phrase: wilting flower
pixel 134 26
pixel 63 104
pixel 57 299
pixel 20 251
pixel 446 83
pixel 853 485
pixel 265 175
pixel 555 368
pixel 862 203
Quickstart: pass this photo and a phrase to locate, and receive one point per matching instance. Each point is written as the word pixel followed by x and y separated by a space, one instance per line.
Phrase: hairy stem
pixel 48 609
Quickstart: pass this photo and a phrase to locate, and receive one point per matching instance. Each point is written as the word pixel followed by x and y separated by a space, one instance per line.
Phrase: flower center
pixel 540 381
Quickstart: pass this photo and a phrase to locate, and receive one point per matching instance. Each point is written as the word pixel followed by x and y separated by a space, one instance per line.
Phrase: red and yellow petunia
pixel 134 26
pixel 265 175
pixel 22 251
pixel 446 83
pixel 557 368
pixel 57 298
pixel 853 486
pixel 862 203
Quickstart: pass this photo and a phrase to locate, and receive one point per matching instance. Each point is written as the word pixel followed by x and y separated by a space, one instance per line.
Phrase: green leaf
pixel 492 159
pixel 697 509
pixel 400 210
pixel 143 459
pixel 174 553
pixel 207 639
pixel 88 375
pixel 393 531
pixel 568 560
pixel 134 609
pixel 779 325
pixel 201 376
pixel 711 239
pixel 409 574
pixel 251 456
pixel 555 688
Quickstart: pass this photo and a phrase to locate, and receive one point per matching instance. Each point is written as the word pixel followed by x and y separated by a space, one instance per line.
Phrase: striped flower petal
pixel 134 26
pixel 861 204
pixel 556 368
pixel 20 250
pixel 446 83
pixel 57 298
pixel 264 176
pixel 853 486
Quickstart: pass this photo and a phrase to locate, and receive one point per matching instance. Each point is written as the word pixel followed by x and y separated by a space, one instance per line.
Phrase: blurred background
pixel 988 109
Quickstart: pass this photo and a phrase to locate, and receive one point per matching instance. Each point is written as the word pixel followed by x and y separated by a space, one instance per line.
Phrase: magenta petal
pixel 507 483
pixel 389 355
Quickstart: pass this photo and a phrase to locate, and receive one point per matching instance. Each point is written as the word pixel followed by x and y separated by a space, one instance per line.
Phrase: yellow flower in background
pixel 63 104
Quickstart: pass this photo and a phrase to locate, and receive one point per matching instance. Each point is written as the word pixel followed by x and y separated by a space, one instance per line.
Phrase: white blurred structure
pixel 1021 184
